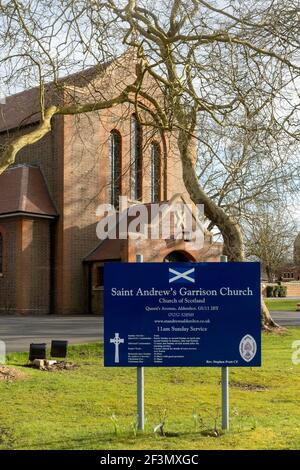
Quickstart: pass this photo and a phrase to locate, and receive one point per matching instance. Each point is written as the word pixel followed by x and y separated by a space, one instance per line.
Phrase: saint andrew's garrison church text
pixel 51 260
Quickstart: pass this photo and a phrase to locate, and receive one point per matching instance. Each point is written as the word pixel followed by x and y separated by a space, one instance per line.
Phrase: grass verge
pixel 282 304
pixel 93 407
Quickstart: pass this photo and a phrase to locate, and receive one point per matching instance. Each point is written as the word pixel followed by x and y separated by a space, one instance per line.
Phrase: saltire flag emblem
pixel 181 274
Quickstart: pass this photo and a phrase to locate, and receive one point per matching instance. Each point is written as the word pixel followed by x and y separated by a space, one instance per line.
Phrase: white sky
pixel 296 212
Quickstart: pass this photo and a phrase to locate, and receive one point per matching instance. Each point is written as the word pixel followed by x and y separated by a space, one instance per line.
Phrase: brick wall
pixel 293 289
pixel 81 196
pixel 86 185
pixel 48 155
pixel 74 158
pixel 9 230
pixel 24 286
pixel 33 267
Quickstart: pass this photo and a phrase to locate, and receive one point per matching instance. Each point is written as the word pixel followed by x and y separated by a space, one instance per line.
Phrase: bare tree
pixel 269 238
pixel 241 172
pixel 234 68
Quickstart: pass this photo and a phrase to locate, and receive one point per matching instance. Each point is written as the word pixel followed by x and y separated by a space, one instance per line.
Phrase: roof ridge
pixel 93 69
pixel 21 165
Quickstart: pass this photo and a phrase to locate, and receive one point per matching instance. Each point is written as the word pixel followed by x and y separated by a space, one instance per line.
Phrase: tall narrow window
pixel 155 172
pixel 115 168
pixel 136 159
pixel 1 253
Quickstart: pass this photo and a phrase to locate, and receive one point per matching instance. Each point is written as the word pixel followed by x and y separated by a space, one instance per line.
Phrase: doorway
pixel 179 257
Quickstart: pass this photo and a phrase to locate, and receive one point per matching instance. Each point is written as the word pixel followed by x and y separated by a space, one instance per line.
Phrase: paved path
pixel 280 299
pixel 18 332
pixel 286 318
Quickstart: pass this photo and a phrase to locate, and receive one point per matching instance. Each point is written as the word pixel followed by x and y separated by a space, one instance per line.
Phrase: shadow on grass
pixel 104 440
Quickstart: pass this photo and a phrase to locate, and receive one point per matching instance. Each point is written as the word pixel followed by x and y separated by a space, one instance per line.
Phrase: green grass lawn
pixel 282 304
pixel 93 407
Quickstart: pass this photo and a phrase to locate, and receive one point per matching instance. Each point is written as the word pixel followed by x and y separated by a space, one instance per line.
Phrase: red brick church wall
pixel 74 160
pixel 24 287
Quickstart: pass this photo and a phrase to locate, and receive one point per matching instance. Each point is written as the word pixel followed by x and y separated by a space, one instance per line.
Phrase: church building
pixel 51 261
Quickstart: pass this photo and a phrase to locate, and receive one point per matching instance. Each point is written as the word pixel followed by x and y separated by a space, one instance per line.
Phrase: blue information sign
pixel 182 314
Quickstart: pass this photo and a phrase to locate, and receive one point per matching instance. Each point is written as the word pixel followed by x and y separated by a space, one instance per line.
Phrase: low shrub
pixel 276 291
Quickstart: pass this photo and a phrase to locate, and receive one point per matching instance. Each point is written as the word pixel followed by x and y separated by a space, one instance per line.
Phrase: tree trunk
pixel 269 274
pixel 267 321
pixel 230 229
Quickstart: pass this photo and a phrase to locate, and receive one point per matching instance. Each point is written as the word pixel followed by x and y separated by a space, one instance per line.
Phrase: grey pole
pixel 140 399
pixel 140 383
pixel 225 398
pixel 225 384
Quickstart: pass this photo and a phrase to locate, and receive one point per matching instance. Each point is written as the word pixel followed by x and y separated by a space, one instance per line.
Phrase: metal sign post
pixel 140 398
pixel 225 385
pixel 140 383
pixel 225 398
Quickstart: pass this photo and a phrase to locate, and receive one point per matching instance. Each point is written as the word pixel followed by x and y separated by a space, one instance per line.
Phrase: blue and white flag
pixel 181 274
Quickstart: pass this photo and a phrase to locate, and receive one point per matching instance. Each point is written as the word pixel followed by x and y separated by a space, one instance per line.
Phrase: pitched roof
pixel 23 190
pixel 20 110
pixel 108 249
pixel 23 108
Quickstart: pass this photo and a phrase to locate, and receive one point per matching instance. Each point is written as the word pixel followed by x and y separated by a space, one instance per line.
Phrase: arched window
pixel 155 172
pixel 136 159
pixel 115 167
pixel 1 253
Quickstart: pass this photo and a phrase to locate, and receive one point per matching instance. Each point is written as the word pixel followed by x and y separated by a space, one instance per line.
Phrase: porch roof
pixel 107 250
pixel 23 190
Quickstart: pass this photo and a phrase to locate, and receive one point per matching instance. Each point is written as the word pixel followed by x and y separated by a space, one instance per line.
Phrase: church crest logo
pixel 248 348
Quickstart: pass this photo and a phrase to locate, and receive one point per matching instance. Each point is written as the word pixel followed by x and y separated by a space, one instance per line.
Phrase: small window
pixel 115 168
pixel 136 159
pixel 155 172
pixel 99 278
pixel 1 253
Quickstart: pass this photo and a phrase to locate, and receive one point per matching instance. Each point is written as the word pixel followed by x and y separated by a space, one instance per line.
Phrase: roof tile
pixel 23 189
